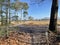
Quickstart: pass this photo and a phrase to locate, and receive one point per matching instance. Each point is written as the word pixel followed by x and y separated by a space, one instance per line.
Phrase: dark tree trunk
pixel 54 14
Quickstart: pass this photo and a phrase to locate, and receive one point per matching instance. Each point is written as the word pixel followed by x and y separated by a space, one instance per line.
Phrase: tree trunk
pixel 1 16
pixel 6 20
pixel 54 14
pixel 9 17
pixel 9 12
pixel 6 16
pixel 21 16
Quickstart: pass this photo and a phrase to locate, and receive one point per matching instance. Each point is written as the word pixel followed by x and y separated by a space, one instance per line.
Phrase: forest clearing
pixel 29 22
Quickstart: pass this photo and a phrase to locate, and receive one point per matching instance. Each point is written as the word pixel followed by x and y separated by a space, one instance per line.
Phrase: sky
pixel 39 11
pixel 42 10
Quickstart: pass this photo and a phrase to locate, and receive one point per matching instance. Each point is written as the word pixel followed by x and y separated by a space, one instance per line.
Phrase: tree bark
pixel 9 12
pixel 53 17
pixel 9 17
pixel 1 16
pixel 21 16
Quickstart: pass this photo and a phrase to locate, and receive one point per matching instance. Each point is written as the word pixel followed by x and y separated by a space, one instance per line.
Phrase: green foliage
pixel 15 18
pixel 30 18
pixel 25 6
pixel 2 30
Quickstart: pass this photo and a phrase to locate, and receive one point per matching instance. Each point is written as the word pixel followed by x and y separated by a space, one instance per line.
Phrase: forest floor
pixel 23 34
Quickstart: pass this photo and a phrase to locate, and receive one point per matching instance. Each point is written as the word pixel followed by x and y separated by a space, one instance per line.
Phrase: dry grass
pixel 31 23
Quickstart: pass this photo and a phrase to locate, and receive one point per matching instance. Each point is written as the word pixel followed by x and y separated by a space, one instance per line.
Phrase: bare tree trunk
pixel 6 20
pixel 54 14
pixel 1 16
pixel 21 16
pixel 9 17
pixel 9 12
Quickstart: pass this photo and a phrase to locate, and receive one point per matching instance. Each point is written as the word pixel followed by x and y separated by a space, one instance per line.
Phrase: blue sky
pixel 41 10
